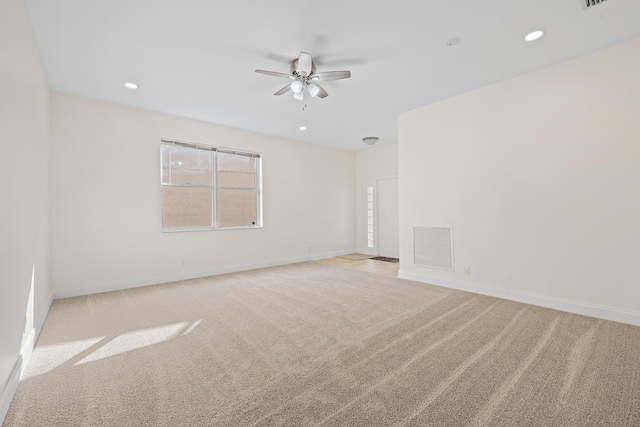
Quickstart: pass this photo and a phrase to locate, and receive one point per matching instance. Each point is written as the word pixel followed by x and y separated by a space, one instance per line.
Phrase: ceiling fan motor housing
pixel 294 68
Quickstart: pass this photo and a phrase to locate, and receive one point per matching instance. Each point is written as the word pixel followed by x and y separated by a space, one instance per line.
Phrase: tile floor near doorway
pixel 384 268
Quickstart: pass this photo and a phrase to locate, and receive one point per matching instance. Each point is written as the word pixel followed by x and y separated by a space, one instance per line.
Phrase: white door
pixel 388 239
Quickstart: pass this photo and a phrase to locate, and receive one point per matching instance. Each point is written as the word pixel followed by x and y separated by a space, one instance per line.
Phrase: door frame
pixel 372 182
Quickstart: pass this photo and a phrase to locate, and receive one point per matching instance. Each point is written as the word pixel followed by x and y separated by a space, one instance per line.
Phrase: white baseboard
pixel 10 389
pixel 28 346
pixel 117 286
pixel 42 315
pixel 607 313
pixel 11 386
pixel 27 349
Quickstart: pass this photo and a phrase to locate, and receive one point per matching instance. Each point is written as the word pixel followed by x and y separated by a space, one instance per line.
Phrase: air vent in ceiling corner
pixel 433 247
pixel 588 4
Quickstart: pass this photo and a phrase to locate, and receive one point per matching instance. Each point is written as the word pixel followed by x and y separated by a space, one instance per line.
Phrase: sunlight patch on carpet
pixel 49 357
pixel 135 340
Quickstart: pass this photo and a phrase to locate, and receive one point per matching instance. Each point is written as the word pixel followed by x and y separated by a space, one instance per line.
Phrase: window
pixel 209 188
pixel 370 217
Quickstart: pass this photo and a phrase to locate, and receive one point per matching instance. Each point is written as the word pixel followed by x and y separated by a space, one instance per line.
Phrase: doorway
pixel 388 218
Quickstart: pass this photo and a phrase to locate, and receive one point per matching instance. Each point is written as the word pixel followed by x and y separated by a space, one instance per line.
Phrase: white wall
pixel 372 163
pixel 539 177
pixel 24 229
pixel 105 200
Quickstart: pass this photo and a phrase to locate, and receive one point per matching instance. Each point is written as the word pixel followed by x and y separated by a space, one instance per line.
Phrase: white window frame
pixel 214 186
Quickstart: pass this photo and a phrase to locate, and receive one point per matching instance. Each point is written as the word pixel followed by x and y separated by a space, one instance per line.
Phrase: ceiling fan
pixel 304 76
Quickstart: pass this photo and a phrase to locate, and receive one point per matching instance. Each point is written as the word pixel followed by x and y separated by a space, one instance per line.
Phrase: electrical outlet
pixel 467 270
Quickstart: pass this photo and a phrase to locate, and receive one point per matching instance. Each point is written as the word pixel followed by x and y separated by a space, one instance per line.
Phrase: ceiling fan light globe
pixel 299 96
pixel 297 86
pixel 313 89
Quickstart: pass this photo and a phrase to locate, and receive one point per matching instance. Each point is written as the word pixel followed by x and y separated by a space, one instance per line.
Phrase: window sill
pixel 191 229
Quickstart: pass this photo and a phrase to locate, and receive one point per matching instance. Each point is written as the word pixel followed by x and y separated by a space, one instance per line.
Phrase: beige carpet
pixel 313 344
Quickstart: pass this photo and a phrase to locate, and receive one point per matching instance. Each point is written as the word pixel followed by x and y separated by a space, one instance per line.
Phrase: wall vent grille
pixel 588 4
pixel 433 247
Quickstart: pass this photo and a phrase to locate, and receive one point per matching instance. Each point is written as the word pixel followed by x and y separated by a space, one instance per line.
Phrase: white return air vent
pixel 588 4
pixel 433 247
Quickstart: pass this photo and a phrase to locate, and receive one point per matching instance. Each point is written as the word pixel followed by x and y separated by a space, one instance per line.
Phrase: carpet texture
pixel 312 344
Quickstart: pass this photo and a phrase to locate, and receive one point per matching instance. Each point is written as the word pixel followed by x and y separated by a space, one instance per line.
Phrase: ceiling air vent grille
pixel 588 4
pixel 433 247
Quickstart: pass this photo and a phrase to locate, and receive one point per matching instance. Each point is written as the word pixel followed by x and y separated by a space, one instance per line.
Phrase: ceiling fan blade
pixel 331 75
pixel 323 93
pixel 304 63
pixel 273 73
pixel 315 90
pixel 279 58
pixel 285 89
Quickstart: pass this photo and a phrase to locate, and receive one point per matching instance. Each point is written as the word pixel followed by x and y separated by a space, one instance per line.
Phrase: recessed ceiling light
pixel 303 128
pixel 129 85
pixel 535 35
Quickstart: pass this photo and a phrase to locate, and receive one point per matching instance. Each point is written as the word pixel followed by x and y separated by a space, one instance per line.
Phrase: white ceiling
pixel 196 58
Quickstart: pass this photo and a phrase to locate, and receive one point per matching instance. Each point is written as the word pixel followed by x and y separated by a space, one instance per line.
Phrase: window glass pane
pixel 370 220
pixel 190 165
pixel 165 157
pixel 237 208
pixel 237 180
pixel 186 207
pixel 236 170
